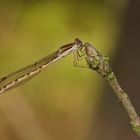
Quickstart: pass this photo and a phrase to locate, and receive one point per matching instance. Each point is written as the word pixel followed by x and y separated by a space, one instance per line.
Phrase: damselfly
pixel 18 77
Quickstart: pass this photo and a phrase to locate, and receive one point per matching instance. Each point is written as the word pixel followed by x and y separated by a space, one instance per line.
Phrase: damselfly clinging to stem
pixel 20 76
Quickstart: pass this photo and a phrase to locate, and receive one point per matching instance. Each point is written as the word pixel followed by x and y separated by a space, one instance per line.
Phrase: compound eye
pixel 77 41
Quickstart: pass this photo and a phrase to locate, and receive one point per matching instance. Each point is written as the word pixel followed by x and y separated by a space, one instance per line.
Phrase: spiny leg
pixel 78 57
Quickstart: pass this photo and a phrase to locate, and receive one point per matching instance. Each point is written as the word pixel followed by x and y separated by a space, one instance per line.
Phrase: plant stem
pixel 97 62
pixel 124 99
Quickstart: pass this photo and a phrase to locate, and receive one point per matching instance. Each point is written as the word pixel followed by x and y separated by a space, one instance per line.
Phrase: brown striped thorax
pixel 77 44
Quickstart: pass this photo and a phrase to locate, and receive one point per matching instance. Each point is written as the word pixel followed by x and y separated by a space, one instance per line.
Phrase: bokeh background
pixel 64 102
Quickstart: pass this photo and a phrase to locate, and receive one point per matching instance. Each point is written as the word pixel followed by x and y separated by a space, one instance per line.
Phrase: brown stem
pixel 100 64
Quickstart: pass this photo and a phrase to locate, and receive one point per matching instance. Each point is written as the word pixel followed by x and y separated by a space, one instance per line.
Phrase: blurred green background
pixel 64 102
